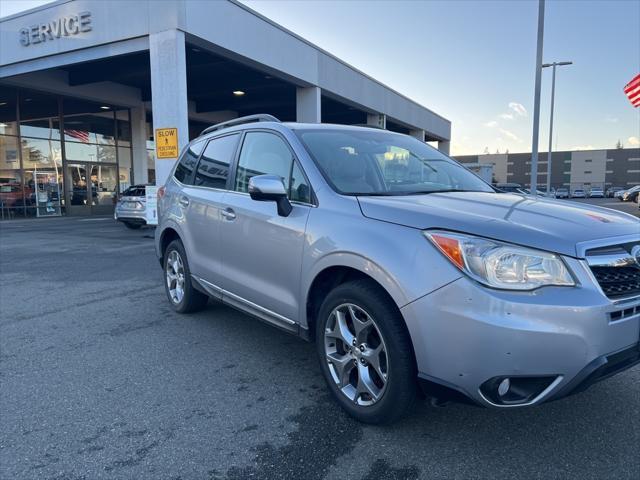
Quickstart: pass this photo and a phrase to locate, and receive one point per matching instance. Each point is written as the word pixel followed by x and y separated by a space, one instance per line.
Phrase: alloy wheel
pixel 356 354
pixel 175 277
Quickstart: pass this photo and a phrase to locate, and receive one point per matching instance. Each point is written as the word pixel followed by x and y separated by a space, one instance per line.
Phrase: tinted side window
pixel 187 162
pixel 300 191
pixel 263 153
pixel 213 168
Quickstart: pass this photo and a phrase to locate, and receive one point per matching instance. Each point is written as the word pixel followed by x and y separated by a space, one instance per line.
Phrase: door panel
pixel 262 253
pixel 202 204
pixel 201 210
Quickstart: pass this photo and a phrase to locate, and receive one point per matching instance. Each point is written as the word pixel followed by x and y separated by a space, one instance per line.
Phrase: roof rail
pixel 261 117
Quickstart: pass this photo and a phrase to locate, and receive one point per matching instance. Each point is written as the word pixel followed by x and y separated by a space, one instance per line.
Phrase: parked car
pixel 417 274
pixel 131 208
pixel 578 193
pixel 630 195
pixel 562 193
pixel 596 192
pixel 611 192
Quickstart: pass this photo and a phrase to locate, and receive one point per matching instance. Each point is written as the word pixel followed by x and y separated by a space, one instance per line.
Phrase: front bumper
pixel 466 336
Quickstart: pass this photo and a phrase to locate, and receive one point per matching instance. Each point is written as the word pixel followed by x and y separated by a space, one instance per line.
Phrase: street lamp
pixel 553 91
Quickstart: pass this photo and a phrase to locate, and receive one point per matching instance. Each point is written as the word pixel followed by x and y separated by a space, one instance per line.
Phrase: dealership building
pixel 98 95
pixel 579 169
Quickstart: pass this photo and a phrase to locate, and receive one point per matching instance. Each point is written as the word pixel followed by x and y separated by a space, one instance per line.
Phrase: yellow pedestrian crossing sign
pixel 166 142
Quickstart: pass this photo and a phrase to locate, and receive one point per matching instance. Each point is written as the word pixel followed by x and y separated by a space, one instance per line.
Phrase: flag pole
pixel 536 101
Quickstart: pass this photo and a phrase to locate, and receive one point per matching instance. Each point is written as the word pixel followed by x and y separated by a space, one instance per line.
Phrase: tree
pixel 619 145
pixel 486 150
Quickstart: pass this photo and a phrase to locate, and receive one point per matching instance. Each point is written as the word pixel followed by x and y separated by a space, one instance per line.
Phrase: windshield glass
pixel 368 162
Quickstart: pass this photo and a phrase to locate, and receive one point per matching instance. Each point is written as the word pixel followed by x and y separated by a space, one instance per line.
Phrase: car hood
pixel 525 220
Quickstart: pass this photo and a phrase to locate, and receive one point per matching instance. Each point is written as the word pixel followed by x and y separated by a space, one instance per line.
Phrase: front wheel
pixel 183 296
pixel 365 353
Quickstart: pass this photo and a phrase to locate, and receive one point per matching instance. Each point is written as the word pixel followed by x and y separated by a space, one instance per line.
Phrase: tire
pixel 132 226
pixel 391 374
pixel 176 267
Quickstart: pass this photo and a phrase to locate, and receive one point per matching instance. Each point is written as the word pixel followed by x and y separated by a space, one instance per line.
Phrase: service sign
pixel 60 27
pixel 166 142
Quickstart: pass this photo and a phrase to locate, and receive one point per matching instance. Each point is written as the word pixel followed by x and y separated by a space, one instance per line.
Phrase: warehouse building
pixel 580 169
pixel 97 95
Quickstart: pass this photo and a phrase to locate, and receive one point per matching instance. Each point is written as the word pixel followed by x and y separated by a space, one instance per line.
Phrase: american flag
pixel 78 135
pixel 632 90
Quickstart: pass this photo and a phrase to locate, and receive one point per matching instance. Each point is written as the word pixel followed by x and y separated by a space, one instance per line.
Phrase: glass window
pixel 361 162
pixel 263 153
pixel 213 168
pixel 12 192
pixel 187 162
pixel 39 153
pixel 300 191
pixel 123 128
pixel 90 128
pixel 39 116
pixel 8 114
pixel 151 166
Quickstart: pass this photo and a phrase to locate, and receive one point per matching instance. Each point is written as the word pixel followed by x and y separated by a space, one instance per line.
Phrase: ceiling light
pixel 104 107
pixel 3 125
pixel 27 99
pixel 2 104
pixel 238 93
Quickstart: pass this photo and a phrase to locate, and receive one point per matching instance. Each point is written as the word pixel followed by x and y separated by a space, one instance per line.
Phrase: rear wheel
pixel 184 298
pixel 365 353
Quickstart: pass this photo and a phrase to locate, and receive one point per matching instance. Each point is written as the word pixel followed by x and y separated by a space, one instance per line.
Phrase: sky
pixel 473 62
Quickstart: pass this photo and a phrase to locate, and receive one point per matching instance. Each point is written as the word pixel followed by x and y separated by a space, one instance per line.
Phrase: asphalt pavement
pixel 99 378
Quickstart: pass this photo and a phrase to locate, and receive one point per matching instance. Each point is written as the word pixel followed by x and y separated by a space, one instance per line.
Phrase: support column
pixel 308 105
pixel 169 91
pixel 377 120
pixel 139 144
pixel 419 134
pixel 444 146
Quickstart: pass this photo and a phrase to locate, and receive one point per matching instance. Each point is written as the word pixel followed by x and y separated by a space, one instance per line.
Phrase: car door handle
pixel 184 201
pixel 228 213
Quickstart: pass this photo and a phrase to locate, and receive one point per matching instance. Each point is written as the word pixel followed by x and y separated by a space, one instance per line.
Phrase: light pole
pixel 553 92
pixel 536 100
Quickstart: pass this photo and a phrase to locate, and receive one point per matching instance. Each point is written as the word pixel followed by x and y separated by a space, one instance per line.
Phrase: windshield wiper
pixel 448 190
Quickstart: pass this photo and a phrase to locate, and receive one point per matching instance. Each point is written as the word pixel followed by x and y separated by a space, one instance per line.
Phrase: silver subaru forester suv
pixel 404 268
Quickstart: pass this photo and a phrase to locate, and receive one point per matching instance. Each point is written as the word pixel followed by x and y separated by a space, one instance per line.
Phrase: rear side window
pixel 134 192
pixel 187 162
pixel 213 168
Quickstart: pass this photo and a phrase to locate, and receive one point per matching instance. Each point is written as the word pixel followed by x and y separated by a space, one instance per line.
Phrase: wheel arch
pixel 331 274
pixel 167 236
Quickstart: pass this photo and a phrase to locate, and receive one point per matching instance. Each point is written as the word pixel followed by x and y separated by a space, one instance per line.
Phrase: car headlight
pixel 501 265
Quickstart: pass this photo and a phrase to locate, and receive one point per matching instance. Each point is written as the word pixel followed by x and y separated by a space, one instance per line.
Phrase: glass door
pixel 104 188
pixel 92 188
pixel 79 198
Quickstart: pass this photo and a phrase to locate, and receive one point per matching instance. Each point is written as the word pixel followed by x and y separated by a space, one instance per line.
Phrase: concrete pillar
pixel 139 144
pixel 308 105
pixel 168 91
pixel 443 146
pixel 419 134
pixel 377 120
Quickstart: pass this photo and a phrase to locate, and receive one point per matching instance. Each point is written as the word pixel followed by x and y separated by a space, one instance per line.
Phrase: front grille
pixel 618 282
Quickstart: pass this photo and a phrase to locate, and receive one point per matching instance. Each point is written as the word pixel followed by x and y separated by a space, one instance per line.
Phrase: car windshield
pixel 369 162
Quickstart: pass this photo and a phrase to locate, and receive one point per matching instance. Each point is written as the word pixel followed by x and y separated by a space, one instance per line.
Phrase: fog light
pixel 515 390
pixel 504 386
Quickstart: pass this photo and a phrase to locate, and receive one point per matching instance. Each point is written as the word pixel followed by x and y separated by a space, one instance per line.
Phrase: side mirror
pixel 270 188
